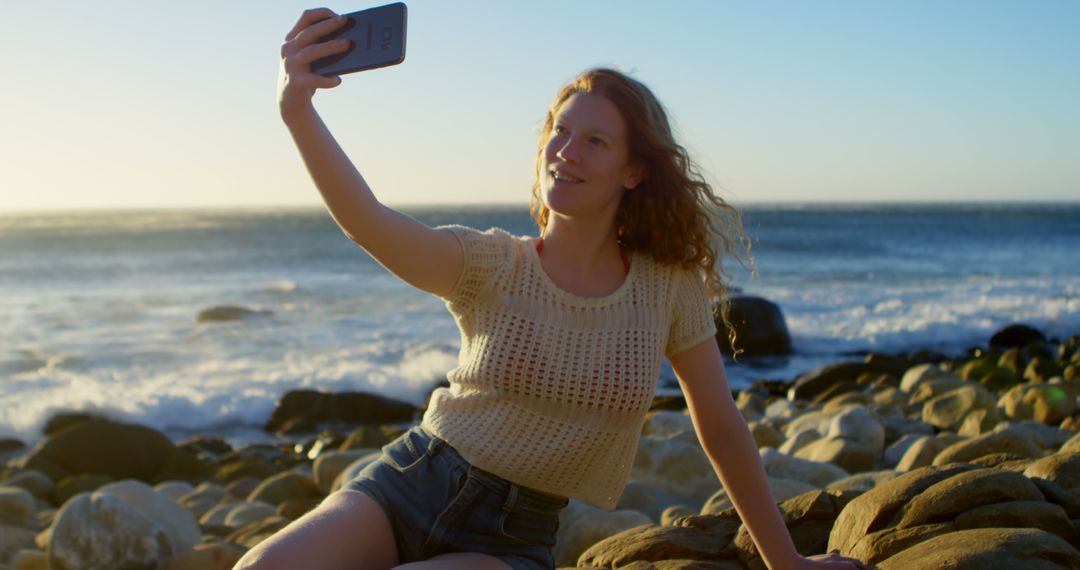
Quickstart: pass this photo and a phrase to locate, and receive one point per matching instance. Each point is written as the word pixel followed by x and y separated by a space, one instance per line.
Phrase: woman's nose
pixel 568 151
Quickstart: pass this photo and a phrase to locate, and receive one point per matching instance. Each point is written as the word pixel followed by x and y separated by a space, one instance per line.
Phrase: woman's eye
pixel 559 129
pixel 597 141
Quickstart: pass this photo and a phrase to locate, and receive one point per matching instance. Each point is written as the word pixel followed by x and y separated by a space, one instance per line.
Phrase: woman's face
pixel 586 166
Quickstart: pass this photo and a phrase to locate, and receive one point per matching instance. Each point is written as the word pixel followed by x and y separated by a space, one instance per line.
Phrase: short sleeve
pixel 485 253
pixel 691 311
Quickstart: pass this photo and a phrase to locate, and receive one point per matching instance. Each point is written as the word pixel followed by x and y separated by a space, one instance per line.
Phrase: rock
pixel 653 543
pixel 759 326
pixel 366 437
pixel 248 513
pixel 1019 514
pixel 30 559
pixel 860 426
pixel 283 487
pixel 934 387
pixel 816 421
pixel 681 468
pixel 74 484
pixel 765 435
pixel 206 557
pixel 242 487
pixel 1045 403
pixel 174 489
pixel 1068 499
pixel 103 531
pixel 946 499
pixel 581 526
pixel 228 313
pixel 17 508
pixel 330 464
pixel 921 374
pixel 1072 445
pixel 978 422
pixel 780 408
pixel 1041 369
pixel 779 465
pixel 251 535
pixel 1006 441
pixel 674 512
pixel 819 381
pixel 1044 436
pixel 666 423
pixel 1016 335
pixel 37 483
pixel 799 440
pixel 849 455
pixel 648 498
pixel 346 407
pixel 809 518
pixel 202 499
pixel 878 546
pixel 780 489
pixel 890 396
pixel 241 467
pixel 102 447
pixel 862 482
pixel 898 427
pixel 179 524
pixel 924 450
pixel 722 526
pixel 948 410
pixel 844 401
pixel 682 564
pixel 1062 469
pixel 895 452
pixel 988 549
pixel 218 513
pixel 872 511
pixel 13 539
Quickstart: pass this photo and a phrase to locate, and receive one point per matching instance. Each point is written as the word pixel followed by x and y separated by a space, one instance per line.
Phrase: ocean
pixel 98 309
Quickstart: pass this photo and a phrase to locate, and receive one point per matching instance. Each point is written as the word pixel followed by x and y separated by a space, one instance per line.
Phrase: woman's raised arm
pixel 426 258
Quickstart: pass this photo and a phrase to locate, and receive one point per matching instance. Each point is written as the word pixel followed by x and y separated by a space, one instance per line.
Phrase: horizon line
pixel 472 205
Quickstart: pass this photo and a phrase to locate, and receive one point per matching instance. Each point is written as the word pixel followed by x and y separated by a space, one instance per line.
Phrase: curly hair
pixel 672 214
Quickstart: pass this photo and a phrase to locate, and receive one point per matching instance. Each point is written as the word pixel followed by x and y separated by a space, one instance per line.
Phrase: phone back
pixel 377 38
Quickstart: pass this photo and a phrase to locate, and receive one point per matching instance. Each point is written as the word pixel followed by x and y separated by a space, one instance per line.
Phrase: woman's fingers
pixel 317 51
pixel 309 35
pixel 307 18
pixel 312 33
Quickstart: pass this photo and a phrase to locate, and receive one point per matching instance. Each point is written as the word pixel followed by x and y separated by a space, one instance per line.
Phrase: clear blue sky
pixel 155 104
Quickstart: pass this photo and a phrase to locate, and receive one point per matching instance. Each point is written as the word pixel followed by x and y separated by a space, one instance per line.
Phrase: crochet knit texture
pixel 551 388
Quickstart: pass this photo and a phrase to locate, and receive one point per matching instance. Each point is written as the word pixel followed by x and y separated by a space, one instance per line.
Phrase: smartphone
pixel 377 39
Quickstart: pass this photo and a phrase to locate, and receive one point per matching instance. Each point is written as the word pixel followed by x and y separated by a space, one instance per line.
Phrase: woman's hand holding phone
pixel 296 82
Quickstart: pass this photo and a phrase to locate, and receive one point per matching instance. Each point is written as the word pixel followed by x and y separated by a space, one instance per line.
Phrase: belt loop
pixel 511 497
pixel 433 442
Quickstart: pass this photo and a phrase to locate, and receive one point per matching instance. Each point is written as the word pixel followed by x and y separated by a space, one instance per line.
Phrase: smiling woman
pixel 562 341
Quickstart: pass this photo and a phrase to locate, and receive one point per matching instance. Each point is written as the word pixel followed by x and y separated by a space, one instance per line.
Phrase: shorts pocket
pixel 527 527
pixel 406 452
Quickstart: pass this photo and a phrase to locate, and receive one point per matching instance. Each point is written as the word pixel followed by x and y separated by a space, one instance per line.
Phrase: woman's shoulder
pixel 491 242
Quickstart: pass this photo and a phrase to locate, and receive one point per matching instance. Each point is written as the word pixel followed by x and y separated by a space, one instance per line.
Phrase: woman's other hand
pixel 832 561
pixel 296 82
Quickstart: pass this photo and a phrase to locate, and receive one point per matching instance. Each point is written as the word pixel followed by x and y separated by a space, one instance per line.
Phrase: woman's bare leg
pixel 348 530
pixel 457 561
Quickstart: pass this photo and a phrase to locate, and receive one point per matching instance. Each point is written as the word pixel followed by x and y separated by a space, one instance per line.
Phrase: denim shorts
pixel 438 503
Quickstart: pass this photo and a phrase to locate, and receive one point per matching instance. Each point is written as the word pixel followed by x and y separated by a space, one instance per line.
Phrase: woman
pixel 562 341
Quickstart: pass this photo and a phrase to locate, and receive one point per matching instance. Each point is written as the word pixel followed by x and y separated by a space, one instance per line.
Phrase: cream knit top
pixel 551 389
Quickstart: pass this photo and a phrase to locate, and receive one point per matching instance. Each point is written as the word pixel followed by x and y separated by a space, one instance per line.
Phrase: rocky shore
pixel 908 462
